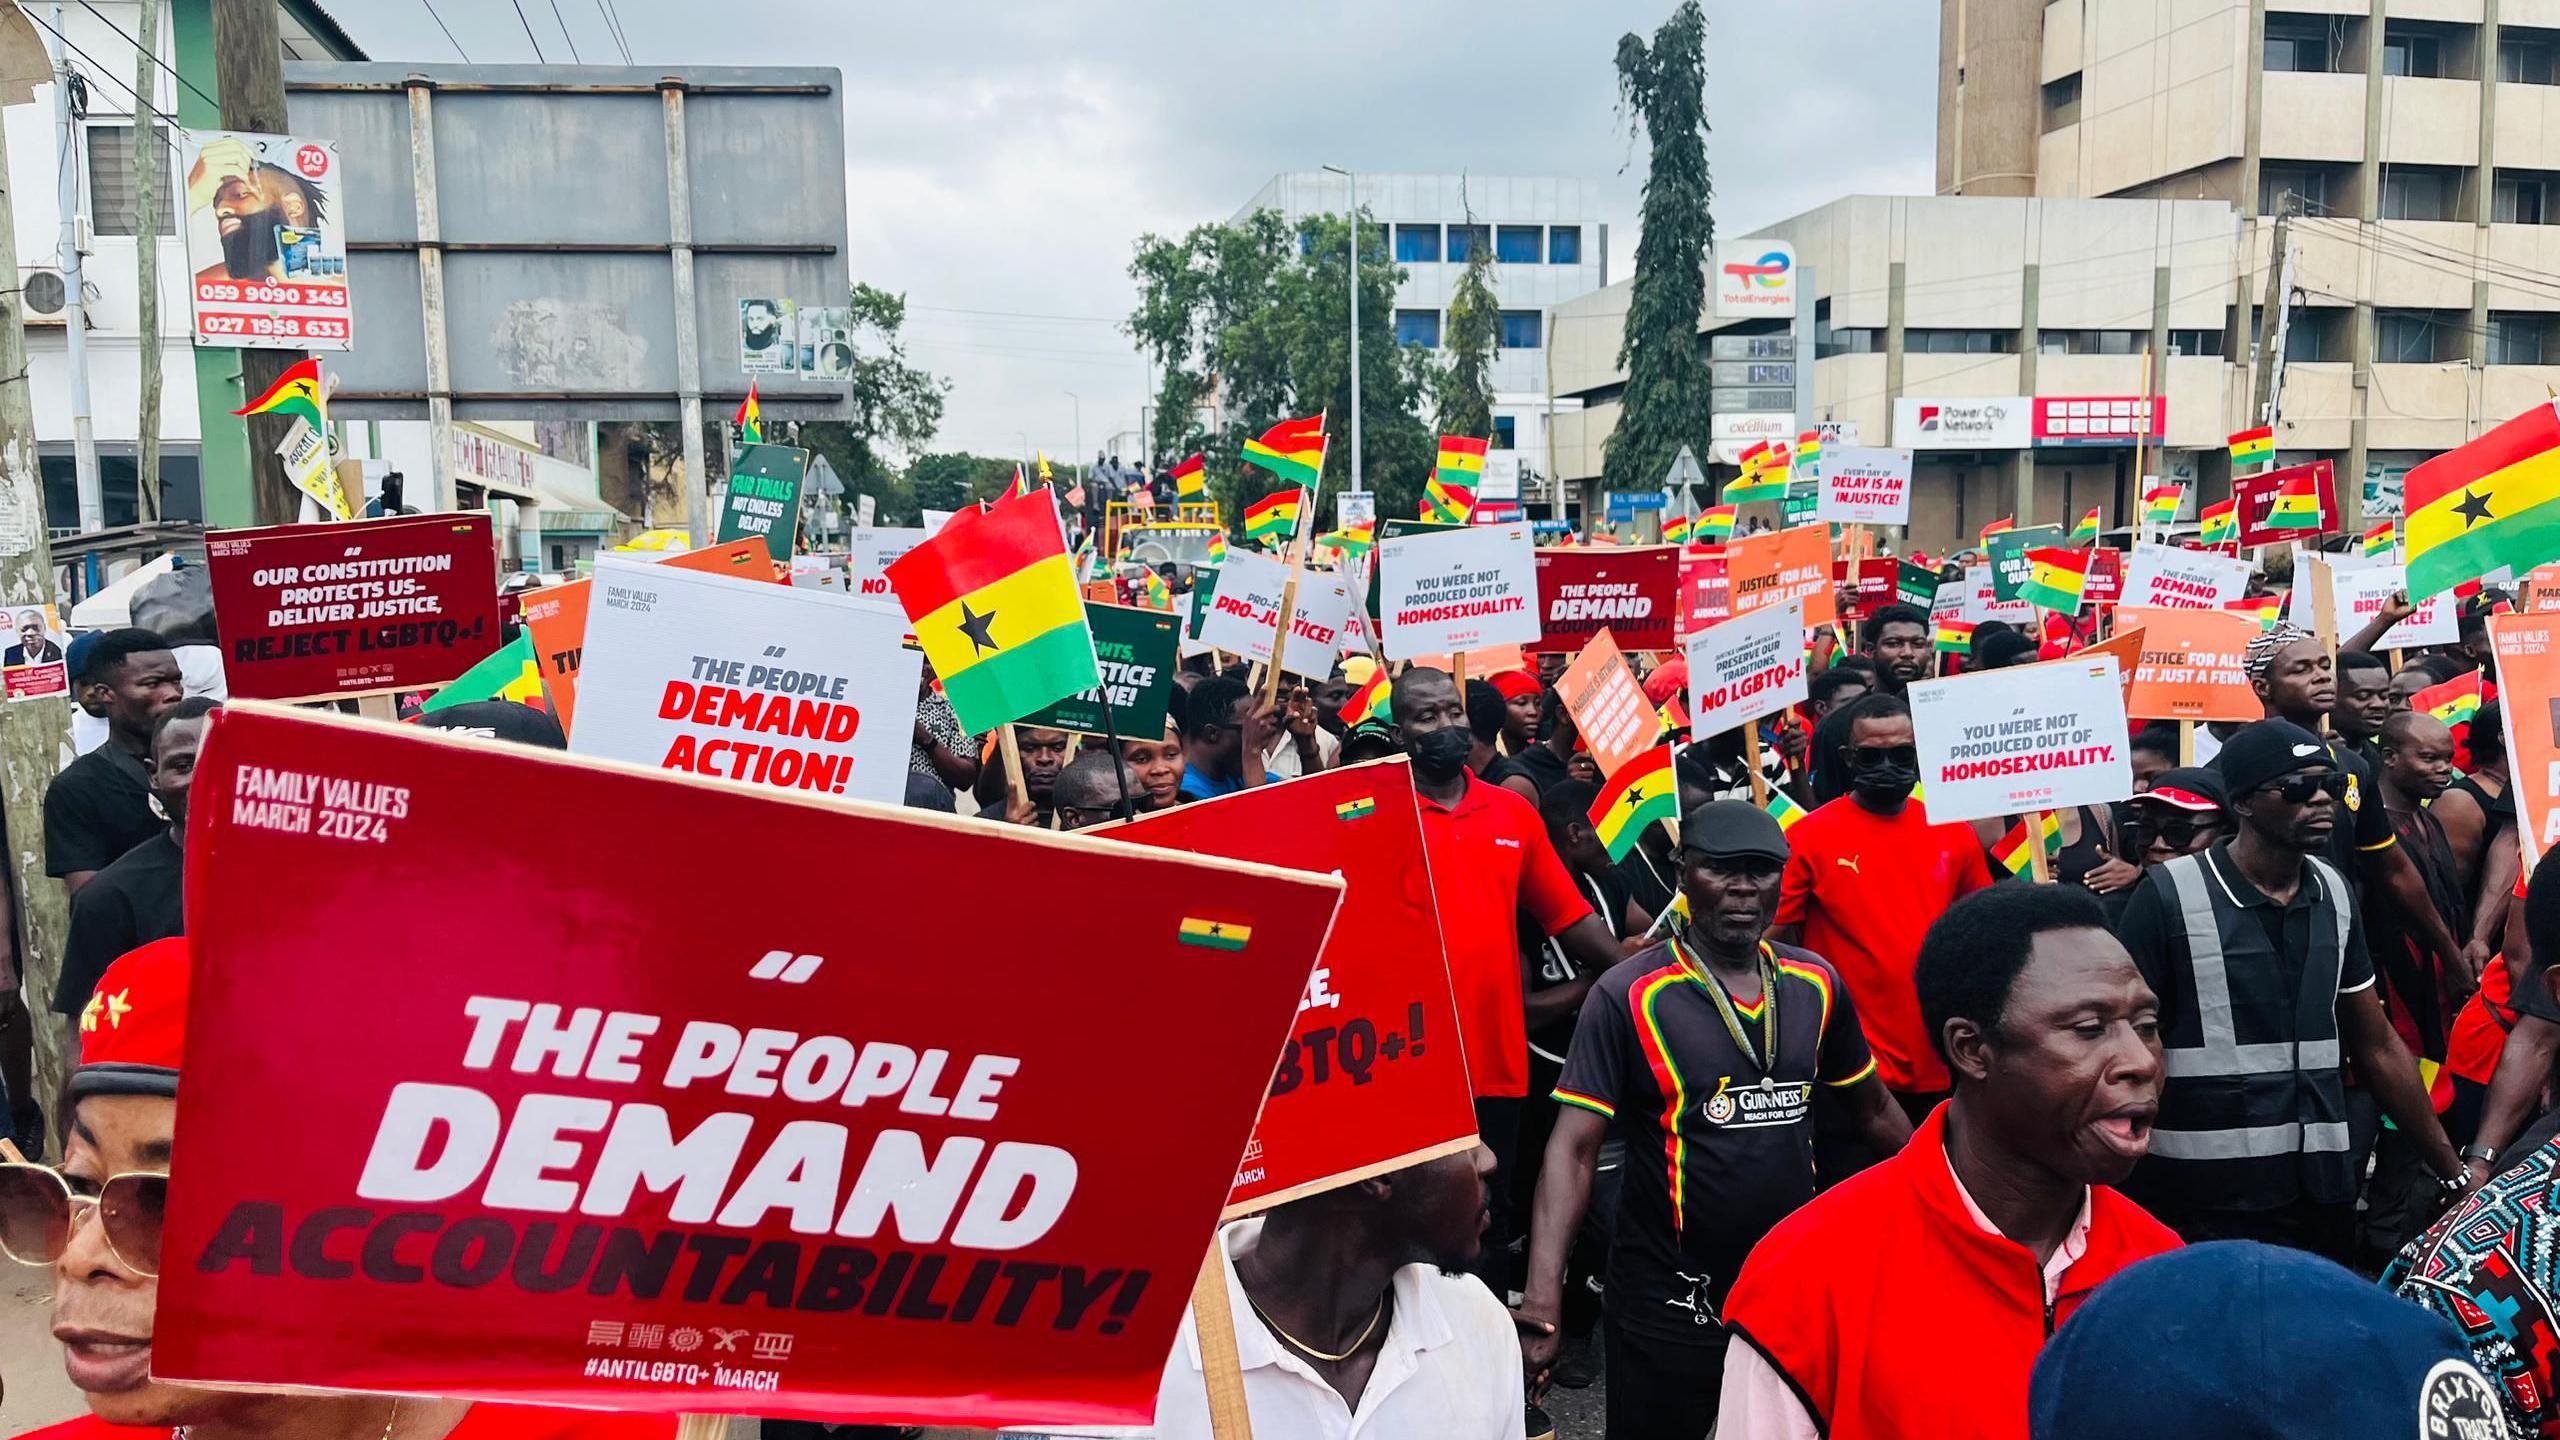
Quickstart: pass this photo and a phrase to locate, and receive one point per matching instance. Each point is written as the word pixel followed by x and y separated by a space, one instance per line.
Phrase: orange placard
pixel 556 618
pixel 2528 648
pixel 2192 665
pixel 1784 565
pixel 2125 645
pixel 748 558
pixel 2542 589
pixel 1607 705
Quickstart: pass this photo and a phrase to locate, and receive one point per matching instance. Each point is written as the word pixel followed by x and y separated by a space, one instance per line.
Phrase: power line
pixel 1020 314
pixel 539 57
pixel 447 29
pixel 140 103
pixel 574 57
pixel 137 46
pixel 613 22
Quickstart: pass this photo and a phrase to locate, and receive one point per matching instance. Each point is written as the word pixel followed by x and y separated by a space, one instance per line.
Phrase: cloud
pixel 1004 158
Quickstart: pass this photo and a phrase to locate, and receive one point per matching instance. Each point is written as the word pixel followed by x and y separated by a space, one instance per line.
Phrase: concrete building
pixel 1549 245
pixel 2412 148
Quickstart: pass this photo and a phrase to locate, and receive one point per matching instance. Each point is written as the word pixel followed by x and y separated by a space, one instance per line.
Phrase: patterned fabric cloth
pixel 935 713
pixel 2490 1267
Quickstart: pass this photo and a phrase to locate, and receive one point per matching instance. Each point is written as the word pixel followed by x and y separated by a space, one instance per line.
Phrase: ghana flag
pixel 2454 702
pixel 1369 702
pixel 750 417
pixel 2012 852
pixel 1757 481
pixel 1784 810
pixel 296 392
pixel 2378 541
pixel 2160 507
pixel 1217 547
pixel 1274 517
pixel 1461 462
pixel 1675 531
pixel 2493 502
pixel 1292 449
pixel 2265 609
pixel 2005 522
pixel 2086 532
pixel 2055 580
pixel 1955 637
pixel 2253 448
pixel 1352 540
pixel 1642 792
pixel 2220 524
pixel 1809 455
pixel 1447 501
pixel 2297 504
pixel 510 674
pixel 994 603
pixel 1715 525
pixel 1191 478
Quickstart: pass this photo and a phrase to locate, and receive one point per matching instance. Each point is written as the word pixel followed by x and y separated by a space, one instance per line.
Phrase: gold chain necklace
pixel 1302 1346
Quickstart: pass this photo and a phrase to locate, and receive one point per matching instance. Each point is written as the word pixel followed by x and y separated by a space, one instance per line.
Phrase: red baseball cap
pixel 134 1028
pixel 1515 683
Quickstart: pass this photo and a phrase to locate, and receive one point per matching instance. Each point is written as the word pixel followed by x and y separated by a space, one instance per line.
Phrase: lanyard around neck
pixel 1767 1055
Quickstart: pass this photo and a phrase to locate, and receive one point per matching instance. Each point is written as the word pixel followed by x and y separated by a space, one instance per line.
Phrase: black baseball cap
pixel 510 720
pixel 2267 751
pixel 1732 829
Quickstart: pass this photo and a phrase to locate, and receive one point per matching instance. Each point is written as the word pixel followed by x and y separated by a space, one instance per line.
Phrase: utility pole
pixel 2274 315
pixel 1351 216
pixel 35 736
pixel 75 323
pixel 248 59
pixel 150 160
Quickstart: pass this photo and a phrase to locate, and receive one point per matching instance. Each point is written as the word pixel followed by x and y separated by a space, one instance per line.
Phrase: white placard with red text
pixel 1992 746
pixel 868 553
pixel 1244 613
pixel 1865 486
pixel 2164 577
pixel 1980 603
pixel 1746 668
pixel 1450 590
pixel 2358 595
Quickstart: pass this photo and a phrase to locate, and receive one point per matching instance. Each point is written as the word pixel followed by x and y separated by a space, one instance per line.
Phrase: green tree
pixel 1464 385
pixel 1663 87
pixel 1254 318
pixel 892 408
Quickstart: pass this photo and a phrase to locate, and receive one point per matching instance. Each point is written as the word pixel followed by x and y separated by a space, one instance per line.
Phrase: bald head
pixel 2417 755
pixel 1089 789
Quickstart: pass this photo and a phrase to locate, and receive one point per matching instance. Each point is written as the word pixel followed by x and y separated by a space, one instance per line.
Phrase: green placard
pixel 1204 588
pixel 764 497
pixel 1136 650
pixel 2008 556
pixel 1799 505
pixel 1915 584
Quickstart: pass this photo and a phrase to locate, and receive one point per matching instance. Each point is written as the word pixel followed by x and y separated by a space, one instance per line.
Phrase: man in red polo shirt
pixel 1866 874
pixel 1493 871
pixel 96 1221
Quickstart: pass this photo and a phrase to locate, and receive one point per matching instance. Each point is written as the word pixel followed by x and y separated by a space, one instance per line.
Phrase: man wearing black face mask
pixel 1496 875
pixel 1866 876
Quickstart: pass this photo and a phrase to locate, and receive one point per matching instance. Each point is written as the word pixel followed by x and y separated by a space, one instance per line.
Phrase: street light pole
pixel 1079 404
pixel 1351 213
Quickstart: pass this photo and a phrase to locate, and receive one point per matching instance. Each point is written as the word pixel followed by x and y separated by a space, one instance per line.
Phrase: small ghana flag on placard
pixel 994 603
pixel 1215 934
pixel 1273 517
pixel 2454 702
pixel 2160 507
pixel 1366 805
pixel 1446 501
pixel 1955 637
pixel 1292 449
pixel 2378 541
pixel 1369 702
pixel 1715 525
pixel 2086 532
pixel 1642 792
pixel 2005 522
pixel 2253 448
pixel 510 674
pixel 2012 851
pixel 1783 809
pixel 2493 502
pixel 2221 523
pixel 1675 531
pixel 1461 461
pixel 2055 579
pixel 1191 478
pixel 2297 505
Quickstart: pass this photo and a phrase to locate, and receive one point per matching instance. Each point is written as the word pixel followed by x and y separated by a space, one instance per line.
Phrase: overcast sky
pixel 1006 157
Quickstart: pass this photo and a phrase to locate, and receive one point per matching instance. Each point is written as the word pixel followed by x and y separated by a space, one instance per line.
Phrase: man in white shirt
pixel 1355 1320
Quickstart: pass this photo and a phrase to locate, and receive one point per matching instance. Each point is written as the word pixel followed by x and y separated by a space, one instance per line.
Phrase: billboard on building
pixel 266 241
pixel 1944 422
pixel 1755 280
pixel 2100 419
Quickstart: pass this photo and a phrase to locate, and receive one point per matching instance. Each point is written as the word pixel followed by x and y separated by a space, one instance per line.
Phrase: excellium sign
pixel 1947 423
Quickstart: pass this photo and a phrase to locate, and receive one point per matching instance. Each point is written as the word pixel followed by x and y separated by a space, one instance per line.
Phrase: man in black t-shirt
pixel 1706 1055
pixel 100 805
pixel 139 897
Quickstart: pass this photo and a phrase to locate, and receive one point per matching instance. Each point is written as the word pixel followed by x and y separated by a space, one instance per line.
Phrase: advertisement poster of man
pixel 32 665
pixel 266 247
pixel 785 337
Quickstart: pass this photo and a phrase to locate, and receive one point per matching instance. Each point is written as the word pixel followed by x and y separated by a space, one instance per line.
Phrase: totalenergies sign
pixel 1755 279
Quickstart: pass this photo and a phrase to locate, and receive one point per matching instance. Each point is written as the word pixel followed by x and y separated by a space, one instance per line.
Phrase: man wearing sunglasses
pixel 2256 952
pixel 1096 786
pixel 96 1222
pixel 2180 814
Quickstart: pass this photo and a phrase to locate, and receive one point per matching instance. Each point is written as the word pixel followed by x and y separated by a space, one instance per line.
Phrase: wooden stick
pixel 1458 672
pixel 1751 761
pixel 2041 867
pixel 1280 632
pixel 1213 1319
pixel 702 1427
pixel 2394 653
pixel 378 706
pixel 2186 743
pixel 1011 750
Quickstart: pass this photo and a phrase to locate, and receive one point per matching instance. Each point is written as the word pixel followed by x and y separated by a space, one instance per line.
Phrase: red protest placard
pixel 1790 564
pixel 2257 495
pixel 567 1135
pixel 2105 585
pixel 1705 595
pixel 1633 592
pixel 348 609
pixel 1373 1079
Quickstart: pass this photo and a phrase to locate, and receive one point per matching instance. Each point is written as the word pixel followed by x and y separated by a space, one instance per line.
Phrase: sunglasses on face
pixel 39 1211
pixel 1868 757
pixel 2299 787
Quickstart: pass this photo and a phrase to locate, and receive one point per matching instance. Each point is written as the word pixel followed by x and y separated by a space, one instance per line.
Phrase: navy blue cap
pixel 2238 1339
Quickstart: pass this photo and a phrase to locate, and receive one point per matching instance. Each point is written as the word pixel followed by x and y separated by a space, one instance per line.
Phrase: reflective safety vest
pixel 2255 1111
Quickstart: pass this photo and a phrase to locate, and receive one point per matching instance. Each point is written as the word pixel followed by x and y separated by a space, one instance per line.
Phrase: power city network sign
pixel 1938 422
